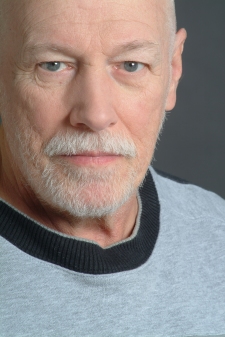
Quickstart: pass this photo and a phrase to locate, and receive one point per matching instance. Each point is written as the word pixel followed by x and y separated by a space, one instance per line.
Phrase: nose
pixel 93 105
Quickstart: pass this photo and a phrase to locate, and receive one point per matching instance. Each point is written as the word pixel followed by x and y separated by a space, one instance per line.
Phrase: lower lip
pixel 81 160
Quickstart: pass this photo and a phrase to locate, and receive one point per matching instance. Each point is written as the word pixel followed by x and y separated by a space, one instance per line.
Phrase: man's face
pixel 97 70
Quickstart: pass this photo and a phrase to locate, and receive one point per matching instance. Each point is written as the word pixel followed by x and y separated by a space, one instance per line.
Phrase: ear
pixel 176 65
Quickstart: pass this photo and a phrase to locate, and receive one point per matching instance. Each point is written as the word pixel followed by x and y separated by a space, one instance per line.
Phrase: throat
pixel 105 231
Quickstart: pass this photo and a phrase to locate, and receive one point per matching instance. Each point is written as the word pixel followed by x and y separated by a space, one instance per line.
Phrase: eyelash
pixel 130 63
pixel 44 66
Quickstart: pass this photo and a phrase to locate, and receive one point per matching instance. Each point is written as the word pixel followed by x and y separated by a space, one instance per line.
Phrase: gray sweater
pixel 167 279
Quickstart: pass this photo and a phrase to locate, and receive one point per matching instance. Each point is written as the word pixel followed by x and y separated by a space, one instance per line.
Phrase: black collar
pixel 79 255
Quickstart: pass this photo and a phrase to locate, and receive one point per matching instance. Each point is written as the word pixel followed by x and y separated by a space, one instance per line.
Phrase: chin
pixel 84 193
pixel 87 202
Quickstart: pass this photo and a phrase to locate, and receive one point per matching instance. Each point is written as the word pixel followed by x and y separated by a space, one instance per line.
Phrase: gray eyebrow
pixel 136 44
pixel 148 47
pixel 118 49
pixel 46 46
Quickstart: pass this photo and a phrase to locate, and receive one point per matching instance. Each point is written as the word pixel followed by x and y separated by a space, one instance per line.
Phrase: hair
pixel 170 11
pixel 171 24
pixel 172 16
pixel 2 24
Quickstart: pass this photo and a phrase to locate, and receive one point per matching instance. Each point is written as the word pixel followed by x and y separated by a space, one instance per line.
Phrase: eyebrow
pixel 42 47
pixel 32 50
pixel 145 47
pixel 137 45
pixel 118 49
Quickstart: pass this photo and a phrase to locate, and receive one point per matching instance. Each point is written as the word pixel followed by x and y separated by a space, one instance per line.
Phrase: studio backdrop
pixel 192 145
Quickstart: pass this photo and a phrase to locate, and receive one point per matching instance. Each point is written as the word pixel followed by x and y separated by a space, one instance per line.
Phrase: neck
pixel 104 231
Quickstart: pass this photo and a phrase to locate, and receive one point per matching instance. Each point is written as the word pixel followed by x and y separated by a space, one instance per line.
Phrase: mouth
pixel 92 158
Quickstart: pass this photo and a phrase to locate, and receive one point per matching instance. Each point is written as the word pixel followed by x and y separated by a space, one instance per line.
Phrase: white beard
pixel 83 192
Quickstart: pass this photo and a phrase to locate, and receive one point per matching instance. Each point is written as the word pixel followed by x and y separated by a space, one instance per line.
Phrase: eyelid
pixel 121 65
pixel 139 63
pixel 43 65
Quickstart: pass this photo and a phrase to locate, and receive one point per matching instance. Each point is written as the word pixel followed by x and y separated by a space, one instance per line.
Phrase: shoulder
pixel 182 197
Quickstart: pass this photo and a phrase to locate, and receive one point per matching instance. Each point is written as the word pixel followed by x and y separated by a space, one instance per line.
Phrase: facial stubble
pixel 83 192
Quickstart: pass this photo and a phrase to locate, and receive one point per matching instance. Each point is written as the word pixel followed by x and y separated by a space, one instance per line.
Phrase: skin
pixel 91 92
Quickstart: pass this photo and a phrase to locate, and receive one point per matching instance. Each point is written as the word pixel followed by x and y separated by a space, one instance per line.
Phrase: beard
pixel 83 192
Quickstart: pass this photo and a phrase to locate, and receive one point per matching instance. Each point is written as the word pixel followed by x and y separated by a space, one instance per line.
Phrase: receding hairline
pixel 169 3
pixel 171 24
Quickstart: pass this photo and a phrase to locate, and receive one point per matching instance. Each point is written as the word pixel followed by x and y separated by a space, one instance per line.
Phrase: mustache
pixel 79 142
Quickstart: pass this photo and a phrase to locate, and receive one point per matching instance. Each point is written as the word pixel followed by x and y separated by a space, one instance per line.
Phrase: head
pixel 81 77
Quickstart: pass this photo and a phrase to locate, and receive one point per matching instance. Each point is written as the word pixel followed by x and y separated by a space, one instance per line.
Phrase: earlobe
pixel 176 68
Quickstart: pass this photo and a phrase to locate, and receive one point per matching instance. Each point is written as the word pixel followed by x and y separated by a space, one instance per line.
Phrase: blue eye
pixel 132 66
pixel 53 66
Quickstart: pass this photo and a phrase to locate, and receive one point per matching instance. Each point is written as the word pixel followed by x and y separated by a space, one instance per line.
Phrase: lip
pixel 92 158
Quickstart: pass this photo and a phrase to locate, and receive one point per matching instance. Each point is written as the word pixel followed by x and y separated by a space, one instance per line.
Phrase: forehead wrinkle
pixel 130 46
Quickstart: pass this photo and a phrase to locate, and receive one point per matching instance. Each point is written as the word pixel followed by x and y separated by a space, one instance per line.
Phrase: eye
pixel 132 66
pixel 53 66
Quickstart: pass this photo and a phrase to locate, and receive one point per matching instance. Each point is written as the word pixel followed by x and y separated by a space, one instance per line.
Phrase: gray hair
pixel 171 25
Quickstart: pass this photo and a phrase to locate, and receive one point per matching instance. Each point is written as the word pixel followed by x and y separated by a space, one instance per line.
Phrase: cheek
pixel 42 109
pixel 143 118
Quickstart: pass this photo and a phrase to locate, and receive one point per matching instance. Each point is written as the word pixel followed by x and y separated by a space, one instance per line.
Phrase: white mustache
pixel 80 142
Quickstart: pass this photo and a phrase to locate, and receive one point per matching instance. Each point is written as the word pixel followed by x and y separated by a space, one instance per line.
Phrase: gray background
pixel 193 141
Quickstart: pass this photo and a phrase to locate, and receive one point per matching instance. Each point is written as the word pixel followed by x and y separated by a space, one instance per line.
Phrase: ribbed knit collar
pixel 79 255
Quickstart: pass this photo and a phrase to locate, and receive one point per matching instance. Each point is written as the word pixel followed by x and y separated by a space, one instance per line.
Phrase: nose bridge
pixel 96 84
pixel 95 107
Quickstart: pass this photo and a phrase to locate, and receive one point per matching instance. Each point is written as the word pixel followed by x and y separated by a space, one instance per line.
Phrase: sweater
pixel 167 279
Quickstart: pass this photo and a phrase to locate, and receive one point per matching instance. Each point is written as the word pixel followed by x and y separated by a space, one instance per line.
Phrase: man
pixel 93 242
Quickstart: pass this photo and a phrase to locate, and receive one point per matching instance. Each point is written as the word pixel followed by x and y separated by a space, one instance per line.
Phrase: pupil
pixel 53 66
pixel 131 66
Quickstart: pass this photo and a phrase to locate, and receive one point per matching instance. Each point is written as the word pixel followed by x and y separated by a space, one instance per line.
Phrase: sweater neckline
pixel 80 255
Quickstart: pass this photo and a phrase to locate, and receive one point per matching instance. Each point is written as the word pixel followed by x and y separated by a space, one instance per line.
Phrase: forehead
pixel 117 19
pixel 87 10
